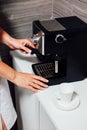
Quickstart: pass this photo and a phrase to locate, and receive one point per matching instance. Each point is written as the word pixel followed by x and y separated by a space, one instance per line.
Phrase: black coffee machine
pixel 61 49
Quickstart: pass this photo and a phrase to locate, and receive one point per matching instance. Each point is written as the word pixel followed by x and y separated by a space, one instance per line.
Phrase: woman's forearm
pixel 5 37
pixel 7 72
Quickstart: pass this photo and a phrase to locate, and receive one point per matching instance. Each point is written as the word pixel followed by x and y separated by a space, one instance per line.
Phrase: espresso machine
pixel 61 49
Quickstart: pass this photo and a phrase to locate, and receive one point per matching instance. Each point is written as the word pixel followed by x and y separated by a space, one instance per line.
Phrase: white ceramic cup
pixel 66 91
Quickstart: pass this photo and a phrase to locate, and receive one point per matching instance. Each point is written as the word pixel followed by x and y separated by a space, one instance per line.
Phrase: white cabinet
pixel 27 110
pixel 39 111
pixel 45 122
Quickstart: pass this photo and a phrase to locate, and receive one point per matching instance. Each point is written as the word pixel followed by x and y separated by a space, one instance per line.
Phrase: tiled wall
pixel 19 15
pixel 70 7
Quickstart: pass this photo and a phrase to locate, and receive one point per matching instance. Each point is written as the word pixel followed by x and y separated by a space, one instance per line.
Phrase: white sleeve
pixel 7 109
pixel 0 114
pixel 0 123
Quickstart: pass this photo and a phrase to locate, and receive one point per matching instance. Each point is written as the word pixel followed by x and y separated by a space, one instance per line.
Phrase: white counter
pixel 39 111
pixel 65 120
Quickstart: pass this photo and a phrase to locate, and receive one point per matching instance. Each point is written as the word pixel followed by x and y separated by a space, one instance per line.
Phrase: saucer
pixel 69 106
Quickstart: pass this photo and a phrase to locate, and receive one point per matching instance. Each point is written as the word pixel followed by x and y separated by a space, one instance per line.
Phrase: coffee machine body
pixel 63 40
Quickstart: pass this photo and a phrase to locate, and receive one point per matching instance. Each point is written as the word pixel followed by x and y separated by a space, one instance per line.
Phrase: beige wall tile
pixel 70 7
pixel 21 14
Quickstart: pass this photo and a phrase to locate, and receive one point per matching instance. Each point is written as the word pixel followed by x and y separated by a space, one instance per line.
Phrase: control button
pixel 60 38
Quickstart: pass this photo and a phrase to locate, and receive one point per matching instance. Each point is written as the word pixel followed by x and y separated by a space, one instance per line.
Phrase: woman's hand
pixel 21 44
pixel 24 80
pixel 15 44
pixel 30 81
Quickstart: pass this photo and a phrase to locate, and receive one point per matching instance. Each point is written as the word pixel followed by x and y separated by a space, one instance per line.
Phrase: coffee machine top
pixel 60 24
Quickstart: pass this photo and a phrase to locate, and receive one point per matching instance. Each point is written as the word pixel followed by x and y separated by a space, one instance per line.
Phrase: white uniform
pixel 0 123
pixel 7 110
